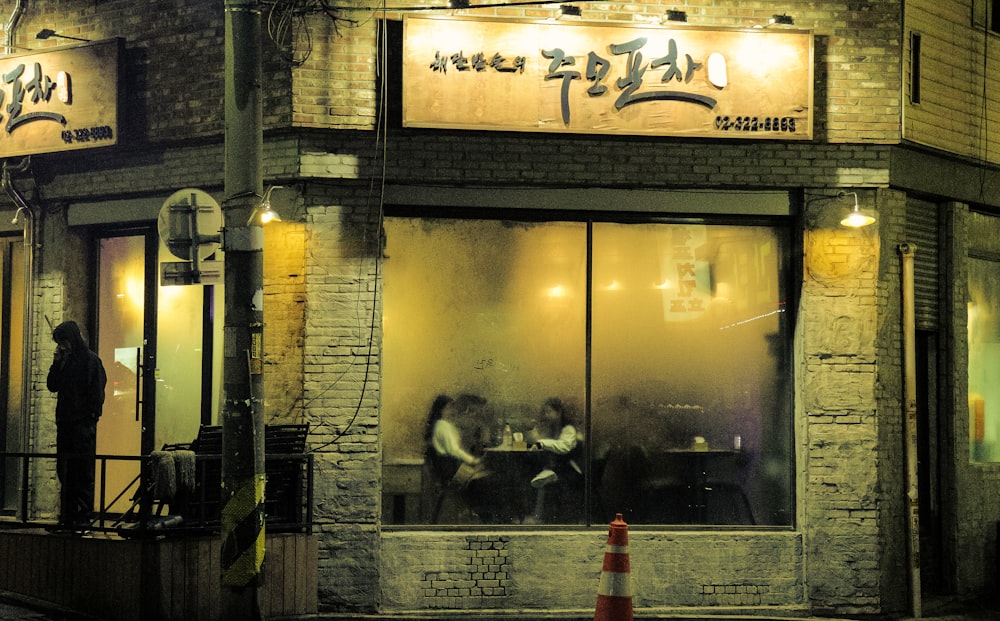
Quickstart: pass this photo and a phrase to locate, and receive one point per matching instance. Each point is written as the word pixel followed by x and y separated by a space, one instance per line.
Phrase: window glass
pixel 485 308
pixel 486 331
pixel 120 310
pixel 690 404
pixel 984 360
pixel 180 321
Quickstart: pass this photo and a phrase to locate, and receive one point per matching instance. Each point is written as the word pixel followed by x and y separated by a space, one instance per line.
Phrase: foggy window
pixel 657 387
pixel 984 360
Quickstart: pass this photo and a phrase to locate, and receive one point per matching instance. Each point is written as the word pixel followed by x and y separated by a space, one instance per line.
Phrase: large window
pixel 584 369
pixel 984 360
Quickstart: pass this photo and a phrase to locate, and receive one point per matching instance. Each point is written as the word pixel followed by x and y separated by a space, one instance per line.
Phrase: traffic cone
pixel 614 595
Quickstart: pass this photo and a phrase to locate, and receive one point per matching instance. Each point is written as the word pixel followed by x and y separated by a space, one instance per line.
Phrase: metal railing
pixel 288 495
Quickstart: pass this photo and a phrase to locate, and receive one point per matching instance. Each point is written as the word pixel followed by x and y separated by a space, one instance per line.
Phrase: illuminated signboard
pixel 59 100
pixel 580 77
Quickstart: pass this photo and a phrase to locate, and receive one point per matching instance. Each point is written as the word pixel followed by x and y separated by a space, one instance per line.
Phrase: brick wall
pixel 174 63
pixel 890 412
pixel 284 311
pixel 561 570
pixel 60 295
pixel 857 55
pixel 836 365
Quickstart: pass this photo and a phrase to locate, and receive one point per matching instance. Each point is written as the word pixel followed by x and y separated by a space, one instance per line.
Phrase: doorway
pixel 929 442
pixel 158 344
pixel 13 418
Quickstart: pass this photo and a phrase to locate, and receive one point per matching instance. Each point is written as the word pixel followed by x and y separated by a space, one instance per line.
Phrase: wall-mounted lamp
pixel 45 33
pixel 458 4
pixel 568 11
pixel 856 217
pixel 263 213
pixel 676 16
pixel 783 20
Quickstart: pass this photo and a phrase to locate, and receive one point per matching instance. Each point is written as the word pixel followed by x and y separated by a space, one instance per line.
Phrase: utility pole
pixel 243 339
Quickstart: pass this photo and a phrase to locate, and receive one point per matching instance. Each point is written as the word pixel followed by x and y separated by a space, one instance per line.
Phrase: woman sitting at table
pixel 557 435
pixel 454 464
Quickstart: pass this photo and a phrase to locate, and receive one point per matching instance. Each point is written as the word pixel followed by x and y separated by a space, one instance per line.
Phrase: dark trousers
pixel 76 446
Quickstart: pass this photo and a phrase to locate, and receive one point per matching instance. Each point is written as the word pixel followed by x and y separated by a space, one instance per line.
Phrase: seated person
pixel 454 463
pixel 444 440
pixel 556 435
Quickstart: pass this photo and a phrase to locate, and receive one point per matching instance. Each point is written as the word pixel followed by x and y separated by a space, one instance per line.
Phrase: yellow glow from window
pixel 134 292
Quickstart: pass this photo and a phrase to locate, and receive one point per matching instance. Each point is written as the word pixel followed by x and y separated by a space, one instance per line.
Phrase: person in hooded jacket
pixel 77 377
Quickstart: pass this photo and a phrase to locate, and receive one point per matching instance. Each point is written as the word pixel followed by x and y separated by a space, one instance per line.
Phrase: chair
pixel 285 496
pixel 727 503
pixel 564 501
pixel 439 474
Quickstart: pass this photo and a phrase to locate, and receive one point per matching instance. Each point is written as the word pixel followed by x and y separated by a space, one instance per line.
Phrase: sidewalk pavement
pixel 16 608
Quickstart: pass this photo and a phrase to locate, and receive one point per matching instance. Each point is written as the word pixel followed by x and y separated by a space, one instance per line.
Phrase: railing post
pixel 24 489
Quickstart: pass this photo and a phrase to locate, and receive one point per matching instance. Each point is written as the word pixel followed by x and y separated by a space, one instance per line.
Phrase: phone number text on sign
pixel 755 123
pixel 88 134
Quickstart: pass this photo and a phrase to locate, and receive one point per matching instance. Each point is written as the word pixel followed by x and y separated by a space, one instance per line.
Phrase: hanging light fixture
pixel 856 217
pixel 263 213
pixel 46 33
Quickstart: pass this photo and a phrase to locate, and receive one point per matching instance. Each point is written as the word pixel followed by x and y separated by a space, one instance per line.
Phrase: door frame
pixel 147 370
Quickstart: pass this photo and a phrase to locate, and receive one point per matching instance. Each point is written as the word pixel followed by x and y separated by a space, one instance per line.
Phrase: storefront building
pixel 633 214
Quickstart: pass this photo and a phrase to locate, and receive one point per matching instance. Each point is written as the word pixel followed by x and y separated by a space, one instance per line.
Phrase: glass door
pixel 123 341
pixel 160 347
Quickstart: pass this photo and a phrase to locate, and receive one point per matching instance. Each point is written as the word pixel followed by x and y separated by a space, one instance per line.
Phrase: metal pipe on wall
pixel 910 426
pixel 9 31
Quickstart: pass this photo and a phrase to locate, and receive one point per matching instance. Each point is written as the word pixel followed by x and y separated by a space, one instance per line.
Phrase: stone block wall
pixel 836 369
pixel 479 570
pixel 60 295
pixel 284 311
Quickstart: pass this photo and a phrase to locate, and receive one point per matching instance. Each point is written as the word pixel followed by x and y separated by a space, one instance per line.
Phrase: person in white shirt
pixel 557 435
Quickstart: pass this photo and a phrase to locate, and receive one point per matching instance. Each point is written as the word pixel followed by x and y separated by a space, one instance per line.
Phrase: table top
pixel 511 449
pixel 706 451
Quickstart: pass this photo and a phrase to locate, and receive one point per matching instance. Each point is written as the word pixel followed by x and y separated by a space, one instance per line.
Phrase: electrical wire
pixel 376 178
pixel 287 21
pixel 490 5
pixel 286 25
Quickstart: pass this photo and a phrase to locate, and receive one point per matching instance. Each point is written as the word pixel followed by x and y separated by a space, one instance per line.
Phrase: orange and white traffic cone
pixel 614 595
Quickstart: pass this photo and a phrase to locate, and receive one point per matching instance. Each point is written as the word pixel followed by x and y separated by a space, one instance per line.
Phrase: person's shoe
pixel 543 478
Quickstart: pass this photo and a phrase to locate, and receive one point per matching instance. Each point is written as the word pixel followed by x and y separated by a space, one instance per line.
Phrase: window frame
pixel 791 268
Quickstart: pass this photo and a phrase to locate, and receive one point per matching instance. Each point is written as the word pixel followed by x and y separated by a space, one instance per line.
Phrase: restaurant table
pixel 510 460
pixel 513 468
pixel 692 468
